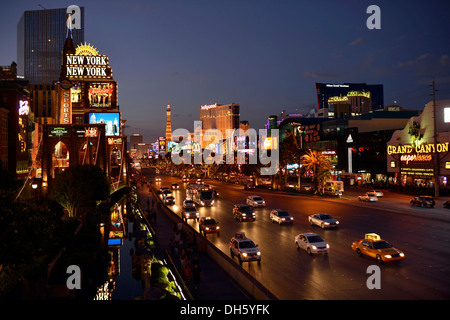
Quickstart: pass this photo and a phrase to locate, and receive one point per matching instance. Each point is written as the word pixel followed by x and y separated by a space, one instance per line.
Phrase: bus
pixel 200 194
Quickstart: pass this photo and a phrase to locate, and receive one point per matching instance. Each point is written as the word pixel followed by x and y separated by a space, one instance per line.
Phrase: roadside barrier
pixel 252 286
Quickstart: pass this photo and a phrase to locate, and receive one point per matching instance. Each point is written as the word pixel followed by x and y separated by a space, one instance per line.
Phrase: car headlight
pixel 387 256
pixel 244 254
pixel 328 246
pixel 207 229
pixel 283 219
pixel 337 222
pixel 243 214
pixel 258 253
pixel 401 254
pixel 202 202
pixel 212 202
pixel 327 223
pixel 314 247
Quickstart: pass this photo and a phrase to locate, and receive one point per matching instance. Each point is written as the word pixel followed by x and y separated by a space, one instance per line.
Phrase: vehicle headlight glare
pixel 388 256
pixel 244 254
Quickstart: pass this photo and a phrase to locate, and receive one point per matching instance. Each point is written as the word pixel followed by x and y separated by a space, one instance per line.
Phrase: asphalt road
pixel 292 274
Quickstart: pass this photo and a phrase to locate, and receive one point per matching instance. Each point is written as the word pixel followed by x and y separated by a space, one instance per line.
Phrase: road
pixel 291 274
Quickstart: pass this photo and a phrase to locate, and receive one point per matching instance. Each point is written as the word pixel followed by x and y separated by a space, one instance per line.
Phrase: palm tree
pixel 319 165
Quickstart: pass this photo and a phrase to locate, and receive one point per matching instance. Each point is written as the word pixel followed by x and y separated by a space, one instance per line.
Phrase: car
pixel 188 203
pixel 163 188
pixel 169 200
pixel 378 193
pixel 255 201
pixel 165 193
pixel 369 196
pixel 323 220
pixel 249 186
pixel 447 204
pixel 244 249
pixel 185 179
pixel 189 213
pixel 243 212
pixel 373 246
pixel 280 216
pixel 158 179
pixel 175 186
pixel 209 225
pixel 422 201
pixel 312 243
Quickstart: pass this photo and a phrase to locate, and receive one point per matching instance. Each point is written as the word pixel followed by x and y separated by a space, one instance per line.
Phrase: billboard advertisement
pixel 111 119
pixel 101 94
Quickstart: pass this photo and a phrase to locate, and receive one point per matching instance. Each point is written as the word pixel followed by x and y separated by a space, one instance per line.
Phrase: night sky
pixel 264 55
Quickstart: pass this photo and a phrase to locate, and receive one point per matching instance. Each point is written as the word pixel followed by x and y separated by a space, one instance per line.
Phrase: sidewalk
pixel 215 283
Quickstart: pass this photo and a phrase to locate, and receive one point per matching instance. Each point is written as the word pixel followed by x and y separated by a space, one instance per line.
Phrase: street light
pixel 34 186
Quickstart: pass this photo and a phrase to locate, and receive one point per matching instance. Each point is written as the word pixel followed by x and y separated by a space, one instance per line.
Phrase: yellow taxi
pixel 373 246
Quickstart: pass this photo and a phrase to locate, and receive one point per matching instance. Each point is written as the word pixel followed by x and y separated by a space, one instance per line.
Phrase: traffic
pixel 326 231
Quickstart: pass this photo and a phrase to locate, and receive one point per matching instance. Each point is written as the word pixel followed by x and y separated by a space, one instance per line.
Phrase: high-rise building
pixel 221 117
pixel 361 97
pixel 168 125
pixel 41 35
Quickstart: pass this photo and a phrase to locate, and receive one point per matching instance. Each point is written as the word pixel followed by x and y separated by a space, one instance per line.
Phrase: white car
pixel 244 248
pixel 371 197
pixel 312 243
pixel 280 216
pixel 255 201
pixel 189 213
pixel 378 193
pixel 323 220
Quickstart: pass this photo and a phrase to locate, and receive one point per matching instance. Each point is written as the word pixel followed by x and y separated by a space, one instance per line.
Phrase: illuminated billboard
pixel 111 119
pixel 101 94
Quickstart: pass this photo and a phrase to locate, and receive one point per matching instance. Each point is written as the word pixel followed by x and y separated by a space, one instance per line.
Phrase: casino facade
pixel 419 153
pixel 87 128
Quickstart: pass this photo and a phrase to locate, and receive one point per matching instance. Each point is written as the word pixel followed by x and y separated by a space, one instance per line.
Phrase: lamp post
pixel 34 186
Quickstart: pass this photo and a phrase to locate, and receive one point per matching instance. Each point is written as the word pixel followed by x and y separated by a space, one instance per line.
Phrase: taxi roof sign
pixel 372 236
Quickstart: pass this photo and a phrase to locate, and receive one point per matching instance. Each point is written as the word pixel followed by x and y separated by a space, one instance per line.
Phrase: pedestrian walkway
pixel 214 283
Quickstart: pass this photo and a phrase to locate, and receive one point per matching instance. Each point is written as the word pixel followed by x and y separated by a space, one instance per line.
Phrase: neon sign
pixel 416 157
pixel 209 106
pixel 23 108
pixel 423 148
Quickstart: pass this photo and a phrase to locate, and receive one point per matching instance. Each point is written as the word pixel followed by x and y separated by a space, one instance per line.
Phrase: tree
pixel 289 154
pixel 319 165
pixel 79 187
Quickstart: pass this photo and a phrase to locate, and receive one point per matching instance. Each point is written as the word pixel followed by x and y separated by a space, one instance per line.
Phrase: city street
pixel 341 274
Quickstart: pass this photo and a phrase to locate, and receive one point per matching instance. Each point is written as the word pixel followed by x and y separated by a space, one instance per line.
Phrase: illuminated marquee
pixel 87 64
pixel 87 67
pixel 66 107
pixel 423 148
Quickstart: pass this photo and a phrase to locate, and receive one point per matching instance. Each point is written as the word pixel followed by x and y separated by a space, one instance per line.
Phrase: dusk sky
pixel 264 55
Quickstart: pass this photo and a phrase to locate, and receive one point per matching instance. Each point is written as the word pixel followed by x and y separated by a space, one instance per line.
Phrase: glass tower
pixel 41 35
